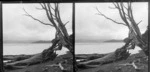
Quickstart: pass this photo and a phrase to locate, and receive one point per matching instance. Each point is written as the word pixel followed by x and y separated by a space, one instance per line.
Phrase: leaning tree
pixel 62 38
pixel 134 38
pixel 126 13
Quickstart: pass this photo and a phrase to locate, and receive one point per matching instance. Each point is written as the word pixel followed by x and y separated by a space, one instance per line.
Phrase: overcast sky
pixel 18 27
pixel 90 26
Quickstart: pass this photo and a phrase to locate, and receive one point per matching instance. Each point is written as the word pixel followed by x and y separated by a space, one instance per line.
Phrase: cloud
pixel 89 25
pixel 18 27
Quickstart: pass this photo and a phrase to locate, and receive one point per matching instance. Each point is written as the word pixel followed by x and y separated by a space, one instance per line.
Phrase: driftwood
pixel 16 57
pixel 35 59
pixel 89 56
pixel 26 62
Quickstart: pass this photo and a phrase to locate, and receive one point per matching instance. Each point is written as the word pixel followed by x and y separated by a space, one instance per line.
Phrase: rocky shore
pixel 62 63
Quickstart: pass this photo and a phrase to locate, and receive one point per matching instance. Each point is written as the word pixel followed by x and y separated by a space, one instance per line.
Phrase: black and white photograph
pixel 74 36
pixel 111 37
pixel 37 37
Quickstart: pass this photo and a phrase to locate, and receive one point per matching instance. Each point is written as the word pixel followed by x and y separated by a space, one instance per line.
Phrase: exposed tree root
pixel 33 60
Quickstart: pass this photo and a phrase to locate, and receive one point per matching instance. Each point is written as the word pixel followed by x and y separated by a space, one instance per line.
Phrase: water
pixel 100 48
pixel 80 48
pixel 27 48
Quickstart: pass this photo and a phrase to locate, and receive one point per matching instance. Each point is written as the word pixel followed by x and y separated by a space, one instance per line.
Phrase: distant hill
pixel 88 41
pixel 42 41
pixel 97 41
pixel 113 40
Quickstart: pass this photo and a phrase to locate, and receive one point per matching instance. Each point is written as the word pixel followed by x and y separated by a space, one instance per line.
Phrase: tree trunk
pixel 144 39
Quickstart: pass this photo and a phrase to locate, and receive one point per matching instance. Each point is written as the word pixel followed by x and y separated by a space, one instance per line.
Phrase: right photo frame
pixel 111 37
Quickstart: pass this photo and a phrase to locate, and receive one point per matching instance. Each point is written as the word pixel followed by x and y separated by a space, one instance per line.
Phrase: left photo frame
pixel 37 37
pixel 1 40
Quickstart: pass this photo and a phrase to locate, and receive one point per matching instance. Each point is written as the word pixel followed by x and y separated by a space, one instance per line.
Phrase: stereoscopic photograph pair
pixel 75 36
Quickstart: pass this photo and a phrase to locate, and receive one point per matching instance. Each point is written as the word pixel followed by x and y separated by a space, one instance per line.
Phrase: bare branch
pixel 120 12
pixel 139 22
pixel 123 17
pixel 39 8
pixel 27 14
pixel 49 15
pixel 109 18
pixel 125 7
pixel 51 7
pixel 115 5
pixel 42 5
pixel 66 23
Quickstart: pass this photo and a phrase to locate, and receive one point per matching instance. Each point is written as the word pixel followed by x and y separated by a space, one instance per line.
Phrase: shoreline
pixel 44 66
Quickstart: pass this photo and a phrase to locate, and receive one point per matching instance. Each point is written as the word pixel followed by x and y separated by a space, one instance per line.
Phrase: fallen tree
pixel 89 56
